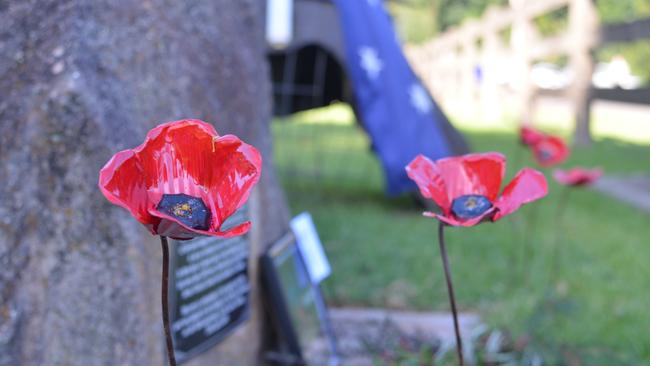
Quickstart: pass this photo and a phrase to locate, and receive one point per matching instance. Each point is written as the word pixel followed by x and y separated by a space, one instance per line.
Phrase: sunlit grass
pixel 384 253
pixel 632 126
pixel 336 114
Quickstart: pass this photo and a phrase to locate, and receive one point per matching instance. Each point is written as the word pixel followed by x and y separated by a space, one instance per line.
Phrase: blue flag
pixel 396 110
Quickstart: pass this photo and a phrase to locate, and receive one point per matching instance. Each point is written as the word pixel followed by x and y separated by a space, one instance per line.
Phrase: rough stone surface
pixel 80 80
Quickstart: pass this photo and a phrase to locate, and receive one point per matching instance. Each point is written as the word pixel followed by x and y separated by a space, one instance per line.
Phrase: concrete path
pixel 365 332
pixel 632 189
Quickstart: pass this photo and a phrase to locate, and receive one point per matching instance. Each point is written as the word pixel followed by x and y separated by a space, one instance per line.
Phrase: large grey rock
pixel 80 80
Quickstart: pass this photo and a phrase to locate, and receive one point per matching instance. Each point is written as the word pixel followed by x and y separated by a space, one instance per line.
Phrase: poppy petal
pixel 527 186
pixel 451 221
pixel 529 135
pixel 549 151
pixel 174 156
pixel 236 231
pixel 122 182
pixel 175 229
pixel 427 177
pixel 472 174
pixel 238 166
pixel 185 159
pixel 577 176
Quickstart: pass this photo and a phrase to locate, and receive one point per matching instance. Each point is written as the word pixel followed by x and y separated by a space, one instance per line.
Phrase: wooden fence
pixel 468 64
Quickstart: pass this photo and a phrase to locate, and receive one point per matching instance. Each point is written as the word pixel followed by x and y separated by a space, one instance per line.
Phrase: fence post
pixel 522 37
pixel 491 57
pixel 583 30
pixel 468 62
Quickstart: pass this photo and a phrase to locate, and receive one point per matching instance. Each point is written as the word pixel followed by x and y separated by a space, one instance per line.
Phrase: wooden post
pixel 583 28
pixel 469 60
pixel 491 99
pixel 522 37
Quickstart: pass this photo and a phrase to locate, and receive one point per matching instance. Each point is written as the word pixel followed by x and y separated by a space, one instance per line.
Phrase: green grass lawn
pixel 384 253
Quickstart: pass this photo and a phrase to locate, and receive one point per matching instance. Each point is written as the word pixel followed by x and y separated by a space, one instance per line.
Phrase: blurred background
pixel 574 69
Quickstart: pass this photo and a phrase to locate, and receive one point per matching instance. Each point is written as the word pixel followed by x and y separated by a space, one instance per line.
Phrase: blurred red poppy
pixel 184 180
pixel 466 188
pixel 549 151
pixel 529 135
pixel 577 176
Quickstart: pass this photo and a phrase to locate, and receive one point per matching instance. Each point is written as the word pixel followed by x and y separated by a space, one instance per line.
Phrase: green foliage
pixel 554 22
pixel 419 20
pixel 637 55
pixel 414 21
pixel 615 11
pixel 448 13
pixel 453 12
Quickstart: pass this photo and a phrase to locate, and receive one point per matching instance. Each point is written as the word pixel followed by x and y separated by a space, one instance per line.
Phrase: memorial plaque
pixel 210 289
pixel 298 309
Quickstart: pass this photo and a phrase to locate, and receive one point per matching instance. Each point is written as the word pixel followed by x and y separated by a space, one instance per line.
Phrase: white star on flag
pixel 373 2
pixel 370 61
pixel 420 99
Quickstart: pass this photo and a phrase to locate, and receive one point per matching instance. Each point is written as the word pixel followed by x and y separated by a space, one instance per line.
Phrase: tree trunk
pixel 79 81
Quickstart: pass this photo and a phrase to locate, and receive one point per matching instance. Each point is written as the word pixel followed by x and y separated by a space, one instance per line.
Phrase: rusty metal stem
pixel 450 290
pixel 165 301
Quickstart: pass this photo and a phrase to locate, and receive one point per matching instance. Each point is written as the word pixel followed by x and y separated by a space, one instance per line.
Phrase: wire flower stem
pixel 165 301
pixel 559 215
pixel 450 291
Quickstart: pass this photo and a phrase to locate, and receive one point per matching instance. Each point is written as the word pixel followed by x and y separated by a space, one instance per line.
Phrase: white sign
pixel 310 247
pixel 279 22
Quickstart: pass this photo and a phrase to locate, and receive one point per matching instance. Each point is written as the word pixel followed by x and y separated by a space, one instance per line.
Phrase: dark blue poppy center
pixel 470 206
pixel 545 154
pixel 191 211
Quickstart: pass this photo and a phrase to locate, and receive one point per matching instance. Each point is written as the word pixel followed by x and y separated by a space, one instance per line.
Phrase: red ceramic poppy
pixel 184 180
pixel 529 136
pixel 549 151
pixel 466 188
pixel 577 176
